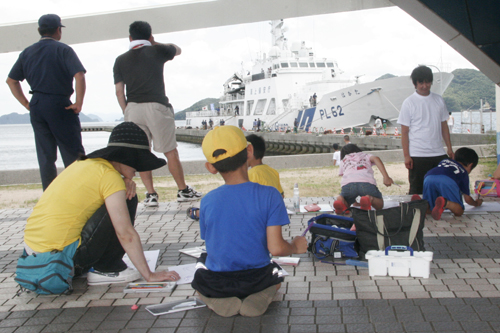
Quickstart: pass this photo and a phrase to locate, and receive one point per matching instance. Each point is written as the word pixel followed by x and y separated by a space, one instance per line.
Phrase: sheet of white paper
pixel 324 208
pixel 487 206
pixel 151 258
pixel 390 203
pixel 286 261
pixel 194 251
pixel 186 272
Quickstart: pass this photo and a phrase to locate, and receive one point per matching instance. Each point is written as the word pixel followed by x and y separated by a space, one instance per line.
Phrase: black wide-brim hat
pixel 128 144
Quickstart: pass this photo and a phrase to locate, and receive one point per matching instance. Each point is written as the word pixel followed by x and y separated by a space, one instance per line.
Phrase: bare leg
pixel 377 203
pixel 147 180
pixel 455 208
pixel 175 168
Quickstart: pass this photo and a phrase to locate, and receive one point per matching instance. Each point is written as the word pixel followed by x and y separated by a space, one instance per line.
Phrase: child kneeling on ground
pixel 358 180
pixel 241 224
pixel 445 184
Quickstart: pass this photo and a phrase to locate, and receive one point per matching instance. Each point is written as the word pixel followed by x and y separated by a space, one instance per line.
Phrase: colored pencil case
pixel 487 188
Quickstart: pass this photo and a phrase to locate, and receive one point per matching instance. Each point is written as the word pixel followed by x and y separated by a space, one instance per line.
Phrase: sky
pixel 368 42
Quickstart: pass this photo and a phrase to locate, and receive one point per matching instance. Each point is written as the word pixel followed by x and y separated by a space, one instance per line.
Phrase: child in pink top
pixel 358 180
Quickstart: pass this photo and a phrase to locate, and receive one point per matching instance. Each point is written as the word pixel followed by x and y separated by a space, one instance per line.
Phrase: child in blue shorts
pixel 445 184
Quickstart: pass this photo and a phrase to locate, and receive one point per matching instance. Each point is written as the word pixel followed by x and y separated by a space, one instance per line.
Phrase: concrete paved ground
pixel 461 295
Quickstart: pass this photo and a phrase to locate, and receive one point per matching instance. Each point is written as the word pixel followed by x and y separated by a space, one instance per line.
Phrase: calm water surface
pixel 17 147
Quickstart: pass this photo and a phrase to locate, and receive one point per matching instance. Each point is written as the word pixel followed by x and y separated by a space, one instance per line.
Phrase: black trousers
pixel 421 165
pixel 100 247
pixel 54 126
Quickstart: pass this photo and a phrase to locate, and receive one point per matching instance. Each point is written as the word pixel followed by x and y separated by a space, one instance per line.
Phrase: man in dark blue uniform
pixel 49 67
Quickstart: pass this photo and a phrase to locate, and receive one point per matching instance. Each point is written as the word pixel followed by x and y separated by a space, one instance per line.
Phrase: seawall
pixel 32 176
pixel 308 143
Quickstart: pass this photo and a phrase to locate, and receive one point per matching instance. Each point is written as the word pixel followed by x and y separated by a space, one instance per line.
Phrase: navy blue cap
pixel 50 21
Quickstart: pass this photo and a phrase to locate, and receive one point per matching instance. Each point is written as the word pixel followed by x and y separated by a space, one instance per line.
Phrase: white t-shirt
pixel 336 157
pixel 424 115
pixel 451 121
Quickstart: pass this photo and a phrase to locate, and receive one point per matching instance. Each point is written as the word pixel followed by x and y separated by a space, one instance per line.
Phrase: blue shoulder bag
pixel 47 273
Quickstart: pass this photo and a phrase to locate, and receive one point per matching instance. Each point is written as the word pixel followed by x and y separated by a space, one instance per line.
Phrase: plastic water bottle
pixel 296 198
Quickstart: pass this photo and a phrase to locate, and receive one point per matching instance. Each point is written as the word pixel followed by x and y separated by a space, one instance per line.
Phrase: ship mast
pixel 277 32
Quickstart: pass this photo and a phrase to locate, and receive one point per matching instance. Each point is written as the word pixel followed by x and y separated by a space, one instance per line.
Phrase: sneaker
pixel 365 203
pixel 439 208
pixel 188 194
pixel 151 200
pixel 95 278
pixel 415 197
pixel 339 207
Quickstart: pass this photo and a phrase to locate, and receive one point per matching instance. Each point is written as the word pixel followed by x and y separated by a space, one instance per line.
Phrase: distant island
pixel 464 92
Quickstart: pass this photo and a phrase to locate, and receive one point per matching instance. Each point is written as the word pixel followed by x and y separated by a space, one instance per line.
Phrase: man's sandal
pixel 191 213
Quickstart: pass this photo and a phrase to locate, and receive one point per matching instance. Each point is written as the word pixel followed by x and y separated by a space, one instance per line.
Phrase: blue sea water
pixel 17 147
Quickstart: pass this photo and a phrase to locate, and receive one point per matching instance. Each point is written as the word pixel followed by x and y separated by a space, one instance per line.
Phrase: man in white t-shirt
pixel 451 123
pixel 423 119
pixel 378 125
pixel 336 155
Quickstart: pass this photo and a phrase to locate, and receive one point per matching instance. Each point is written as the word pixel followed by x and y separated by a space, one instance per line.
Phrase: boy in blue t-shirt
pixel 445 184
pixel 241 224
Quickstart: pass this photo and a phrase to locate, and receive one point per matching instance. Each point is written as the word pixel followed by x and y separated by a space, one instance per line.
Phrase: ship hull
pixel 356 106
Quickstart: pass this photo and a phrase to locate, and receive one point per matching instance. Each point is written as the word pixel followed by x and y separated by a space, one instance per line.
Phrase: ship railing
pixel 208 113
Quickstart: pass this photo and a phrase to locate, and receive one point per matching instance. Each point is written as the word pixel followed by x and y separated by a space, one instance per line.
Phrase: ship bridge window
pixel 293 64
pixel 264 90
pixel 259 108
pixel 311 64
pixel 276 66
pixel 320 64
pixel 303 64
pixel 329 64
pixel 271 109
pixel 284 65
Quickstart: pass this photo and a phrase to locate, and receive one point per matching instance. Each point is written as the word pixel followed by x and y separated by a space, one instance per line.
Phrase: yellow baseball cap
pixel 229 138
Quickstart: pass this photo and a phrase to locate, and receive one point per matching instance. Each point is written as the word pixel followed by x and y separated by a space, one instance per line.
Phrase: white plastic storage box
pixel 399 261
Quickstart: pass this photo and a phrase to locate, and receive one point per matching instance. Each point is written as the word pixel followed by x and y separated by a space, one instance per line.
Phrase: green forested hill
pixel 467 88
pixel 181 115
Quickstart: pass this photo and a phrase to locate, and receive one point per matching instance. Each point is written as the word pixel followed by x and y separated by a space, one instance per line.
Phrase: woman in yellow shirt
pixel 93 201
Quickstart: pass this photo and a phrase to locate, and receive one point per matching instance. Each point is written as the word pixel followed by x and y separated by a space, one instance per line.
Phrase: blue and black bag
pixel 331 237
pixel 47 273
